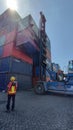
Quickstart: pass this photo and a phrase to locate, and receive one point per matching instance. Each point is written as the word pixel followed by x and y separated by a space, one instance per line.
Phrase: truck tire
pixel 39 89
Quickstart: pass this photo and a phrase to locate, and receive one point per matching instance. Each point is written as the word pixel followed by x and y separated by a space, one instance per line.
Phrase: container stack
pixel 19 50
pixel 13 61
pixel 27 36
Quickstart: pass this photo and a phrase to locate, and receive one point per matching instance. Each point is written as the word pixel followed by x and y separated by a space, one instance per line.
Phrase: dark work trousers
pixel 9 100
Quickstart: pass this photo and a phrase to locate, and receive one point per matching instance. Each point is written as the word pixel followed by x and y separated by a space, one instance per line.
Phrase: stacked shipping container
pixel 19 49
pixel 12 60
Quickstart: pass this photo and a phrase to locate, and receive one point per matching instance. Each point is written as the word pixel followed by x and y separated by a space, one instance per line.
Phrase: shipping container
pixel 21 26
pixel 18 66
pixel 1 51
pixel 28 49
pixel 2 40
pixel 24 81
pixel 8 48
pixel 11 36
pixel 5 64
pixel 29 31
pixel 25 38
pixel 28 21
pixel 20 55
pixel 9 16
pixel 3 81
pixel 14 65
pixel 8 27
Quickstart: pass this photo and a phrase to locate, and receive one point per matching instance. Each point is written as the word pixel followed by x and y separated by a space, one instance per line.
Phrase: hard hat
pixel 12 78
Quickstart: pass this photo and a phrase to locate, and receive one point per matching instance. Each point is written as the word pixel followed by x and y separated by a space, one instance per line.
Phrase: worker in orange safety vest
pixel 11 92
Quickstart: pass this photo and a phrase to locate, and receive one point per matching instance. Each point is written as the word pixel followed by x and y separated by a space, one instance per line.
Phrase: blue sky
pixel 59 25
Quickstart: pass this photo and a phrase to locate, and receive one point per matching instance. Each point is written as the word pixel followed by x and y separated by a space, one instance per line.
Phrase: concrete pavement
pixel 35 112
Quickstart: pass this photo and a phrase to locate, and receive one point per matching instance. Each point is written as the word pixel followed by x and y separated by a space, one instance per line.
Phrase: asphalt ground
pixel 37 112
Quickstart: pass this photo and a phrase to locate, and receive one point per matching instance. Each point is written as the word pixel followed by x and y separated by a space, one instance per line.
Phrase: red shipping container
pixel 10 37
pixel 18 54
pixel 8 49
pixel 21 38
pixel 24 37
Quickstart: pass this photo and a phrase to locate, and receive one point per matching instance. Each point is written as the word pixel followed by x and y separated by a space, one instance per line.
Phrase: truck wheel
pixel 39 89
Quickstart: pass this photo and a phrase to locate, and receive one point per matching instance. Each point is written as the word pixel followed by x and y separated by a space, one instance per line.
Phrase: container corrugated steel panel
pixel 1 51
pixel 2 40
pixel 20 55
pixel 24 81
pixel 14 65
pixel 21 67
pixel 21 26
pixel 3 81
pixel 28 69
pixel 5 64
pixel 11 26
pixel 28 49
pixel 9 16
pixel 28 21
pixel 10 37
pixel 33 44
pixel 24 37
pixel 8 49
pixel 21 38
pixel 8 28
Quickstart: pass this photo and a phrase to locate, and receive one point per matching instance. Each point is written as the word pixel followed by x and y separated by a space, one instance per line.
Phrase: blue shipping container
pixel 5 64
pixel 24 81
pixel 3 81
pixel 1 51
pixel 21 67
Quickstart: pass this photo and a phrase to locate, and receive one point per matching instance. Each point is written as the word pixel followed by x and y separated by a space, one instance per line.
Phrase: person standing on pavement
pixel 11 92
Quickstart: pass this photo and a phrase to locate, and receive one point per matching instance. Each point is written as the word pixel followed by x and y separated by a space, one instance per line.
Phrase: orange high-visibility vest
pixel 12 86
